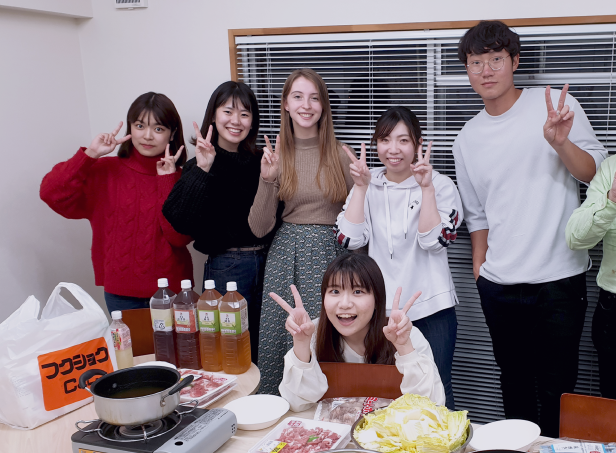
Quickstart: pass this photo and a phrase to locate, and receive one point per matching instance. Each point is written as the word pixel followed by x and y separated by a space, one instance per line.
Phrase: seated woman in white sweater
pixel 354 328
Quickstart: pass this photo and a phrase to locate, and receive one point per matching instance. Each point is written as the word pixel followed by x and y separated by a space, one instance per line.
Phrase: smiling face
pixel 349 308
pixel 494 86
pixel 304 107
pixel 148 136
pixel 233 122
pixel 397 152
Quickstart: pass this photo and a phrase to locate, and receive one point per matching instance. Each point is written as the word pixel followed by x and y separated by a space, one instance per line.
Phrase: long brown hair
pixel 348 271
pixel 165 113
pixel 329 161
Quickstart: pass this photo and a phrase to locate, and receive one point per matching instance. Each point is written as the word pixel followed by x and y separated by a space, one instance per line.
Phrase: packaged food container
pixel 206 385
pixel 294 433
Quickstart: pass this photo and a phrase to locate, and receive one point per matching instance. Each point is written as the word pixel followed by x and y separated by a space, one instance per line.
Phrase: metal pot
pixel 113 400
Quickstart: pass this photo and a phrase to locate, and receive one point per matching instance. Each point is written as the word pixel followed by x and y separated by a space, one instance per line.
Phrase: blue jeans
pixel 247 270
pixel 536 331
pixel 117 302
pixel 440 330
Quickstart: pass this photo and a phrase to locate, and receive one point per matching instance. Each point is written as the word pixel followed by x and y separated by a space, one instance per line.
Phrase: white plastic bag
pixel 41 359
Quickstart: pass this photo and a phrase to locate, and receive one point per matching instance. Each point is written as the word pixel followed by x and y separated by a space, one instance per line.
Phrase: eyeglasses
pixel 496 63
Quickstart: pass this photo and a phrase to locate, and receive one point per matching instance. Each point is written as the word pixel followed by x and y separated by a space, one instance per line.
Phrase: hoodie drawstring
pixel 390 243
pixel 406 211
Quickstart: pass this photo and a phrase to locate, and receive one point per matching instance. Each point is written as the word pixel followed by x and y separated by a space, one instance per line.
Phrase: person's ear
pixel 172 135
pixel 516 62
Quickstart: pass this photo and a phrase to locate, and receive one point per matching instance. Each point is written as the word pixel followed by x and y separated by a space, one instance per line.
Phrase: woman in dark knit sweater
pixel 212 199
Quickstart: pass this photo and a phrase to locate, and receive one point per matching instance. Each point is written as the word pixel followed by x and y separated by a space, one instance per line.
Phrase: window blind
pixel 368 72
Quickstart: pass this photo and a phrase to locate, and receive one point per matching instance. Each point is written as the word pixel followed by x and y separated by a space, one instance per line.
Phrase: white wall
pixel 179 48
pixel 43 119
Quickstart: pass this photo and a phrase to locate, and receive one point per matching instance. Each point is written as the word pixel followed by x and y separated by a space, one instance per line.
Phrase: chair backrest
pixel 139 322
pixel 361 379
pixel 588 418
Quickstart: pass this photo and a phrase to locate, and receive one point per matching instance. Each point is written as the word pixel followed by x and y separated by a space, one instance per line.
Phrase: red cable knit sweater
pixel 132 243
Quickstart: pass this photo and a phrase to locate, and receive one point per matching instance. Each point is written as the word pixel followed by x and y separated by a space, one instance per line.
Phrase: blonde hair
pixel 335 188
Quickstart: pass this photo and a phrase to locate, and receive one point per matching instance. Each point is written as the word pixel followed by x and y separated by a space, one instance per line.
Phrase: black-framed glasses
pixel 496 63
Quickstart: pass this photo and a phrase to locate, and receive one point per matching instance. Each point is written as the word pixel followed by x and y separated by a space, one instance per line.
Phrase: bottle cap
pixel 231 286
pixel 186 284
pixel 117 314
pixel 163 282
pixel 210 284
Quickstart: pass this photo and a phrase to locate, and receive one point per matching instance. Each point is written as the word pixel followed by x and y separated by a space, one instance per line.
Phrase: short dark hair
pixel 164 113
pixel 488 35
pixel 348 270
pixel 390 119
pixel 237 92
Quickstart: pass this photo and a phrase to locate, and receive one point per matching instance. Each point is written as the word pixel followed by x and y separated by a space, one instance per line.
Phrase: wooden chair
pixel 139 322
pixel 361 379
pixel 588 418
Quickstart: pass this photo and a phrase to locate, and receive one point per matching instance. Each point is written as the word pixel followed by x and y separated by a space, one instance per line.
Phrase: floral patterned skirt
pixel 299 255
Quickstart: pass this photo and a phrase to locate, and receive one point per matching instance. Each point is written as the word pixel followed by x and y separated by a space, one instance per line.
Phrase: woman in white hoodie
pixel 408 214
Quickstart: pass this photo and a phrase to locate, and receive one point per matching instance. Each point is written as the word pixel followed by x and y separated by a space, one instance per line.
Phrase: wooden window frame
pixel 525 22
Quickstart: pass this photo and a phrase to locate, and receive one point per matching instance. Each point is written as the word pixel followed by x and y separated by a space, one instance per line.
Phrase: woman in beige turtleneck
pixel 309 171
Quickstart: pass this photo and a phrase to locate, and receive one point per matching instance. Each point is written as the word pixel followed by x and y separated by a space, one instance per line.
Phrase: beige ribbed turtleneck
pixel 308 205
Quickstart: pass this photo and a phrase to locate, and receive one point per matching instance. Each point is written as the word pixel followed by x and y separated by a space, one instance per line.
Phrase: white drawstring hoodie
pixel 415 261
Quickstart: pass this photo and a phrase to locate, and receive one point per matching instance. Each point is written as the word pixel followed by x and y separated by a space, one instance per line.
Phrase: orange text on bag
pixel 60 371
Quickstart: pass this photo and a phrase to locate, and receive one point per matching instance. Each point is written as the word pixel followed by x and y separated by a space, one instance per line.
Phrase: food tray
pixel 320 434
pixel 206 385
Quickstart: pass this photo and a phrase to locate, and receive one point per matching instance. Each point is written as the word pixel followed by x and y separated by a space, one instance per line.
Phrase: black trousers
pixel 536 331
pixel 604 339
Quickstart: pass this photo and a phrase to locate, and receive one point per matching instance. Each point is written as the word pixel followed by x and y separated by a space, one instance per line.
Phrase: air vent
pixel 130 4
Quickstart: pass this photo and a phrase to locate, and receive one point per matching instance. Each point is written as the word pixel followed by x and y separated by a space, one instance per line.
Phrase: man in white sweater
pixel 517 163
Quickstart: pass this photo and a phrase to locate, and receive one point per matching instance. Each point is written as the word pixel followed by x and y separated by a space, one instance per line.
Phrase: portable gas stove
pixel 196 430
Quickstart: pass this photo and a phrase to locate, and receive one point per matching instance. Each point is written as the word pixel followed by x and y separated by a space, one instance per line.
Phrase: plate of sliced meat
pixel 206 386
pixel 298 435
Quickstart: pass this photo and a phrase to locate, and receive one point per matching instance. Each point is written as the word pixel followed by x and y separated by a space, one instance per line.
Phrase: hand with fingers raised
pixel 359 169
pixel 166 165
pixel 270 167
pixel 105 143
pixel 298 324
pixel 559 122
pixel 422 170
pixel 398 330
pixel 204 151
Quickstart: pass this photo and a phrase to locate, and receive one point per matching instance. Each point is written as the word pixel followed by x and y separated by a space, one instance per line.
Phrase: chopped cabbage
pixel 413 424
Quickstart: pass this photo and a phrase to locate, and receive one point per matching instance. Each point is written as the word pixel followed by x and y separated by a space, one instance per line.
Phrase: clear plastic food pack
pixel 348 410
pixel 298 435
pixel 206 386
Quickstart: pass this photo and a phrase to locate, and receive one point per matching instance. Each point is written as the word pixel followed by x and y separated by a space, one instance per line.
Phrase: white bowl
pixel 505 435
pixel 258 411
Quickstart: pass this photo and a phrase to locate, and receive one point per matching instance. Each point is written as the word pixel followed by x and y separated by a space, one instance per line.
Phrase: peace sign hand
pixel 270 165
pixel 298 322
pixel 105 143
pixel 204 152
pixel 166 165
pixel 422 170
pixel 559 122
pixel 359 169
pixel 398 330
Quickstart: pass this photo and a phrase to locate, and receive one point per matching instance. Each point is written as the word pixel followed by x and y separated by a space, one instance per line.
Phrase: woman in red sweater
pixel 122 196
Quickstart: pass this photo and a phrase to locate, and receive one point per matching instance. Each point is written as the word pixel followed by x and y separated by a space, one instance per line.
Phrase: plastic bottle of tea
pixel 234 336
pixel 186 327
pixel 209 327
pixel 161 309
